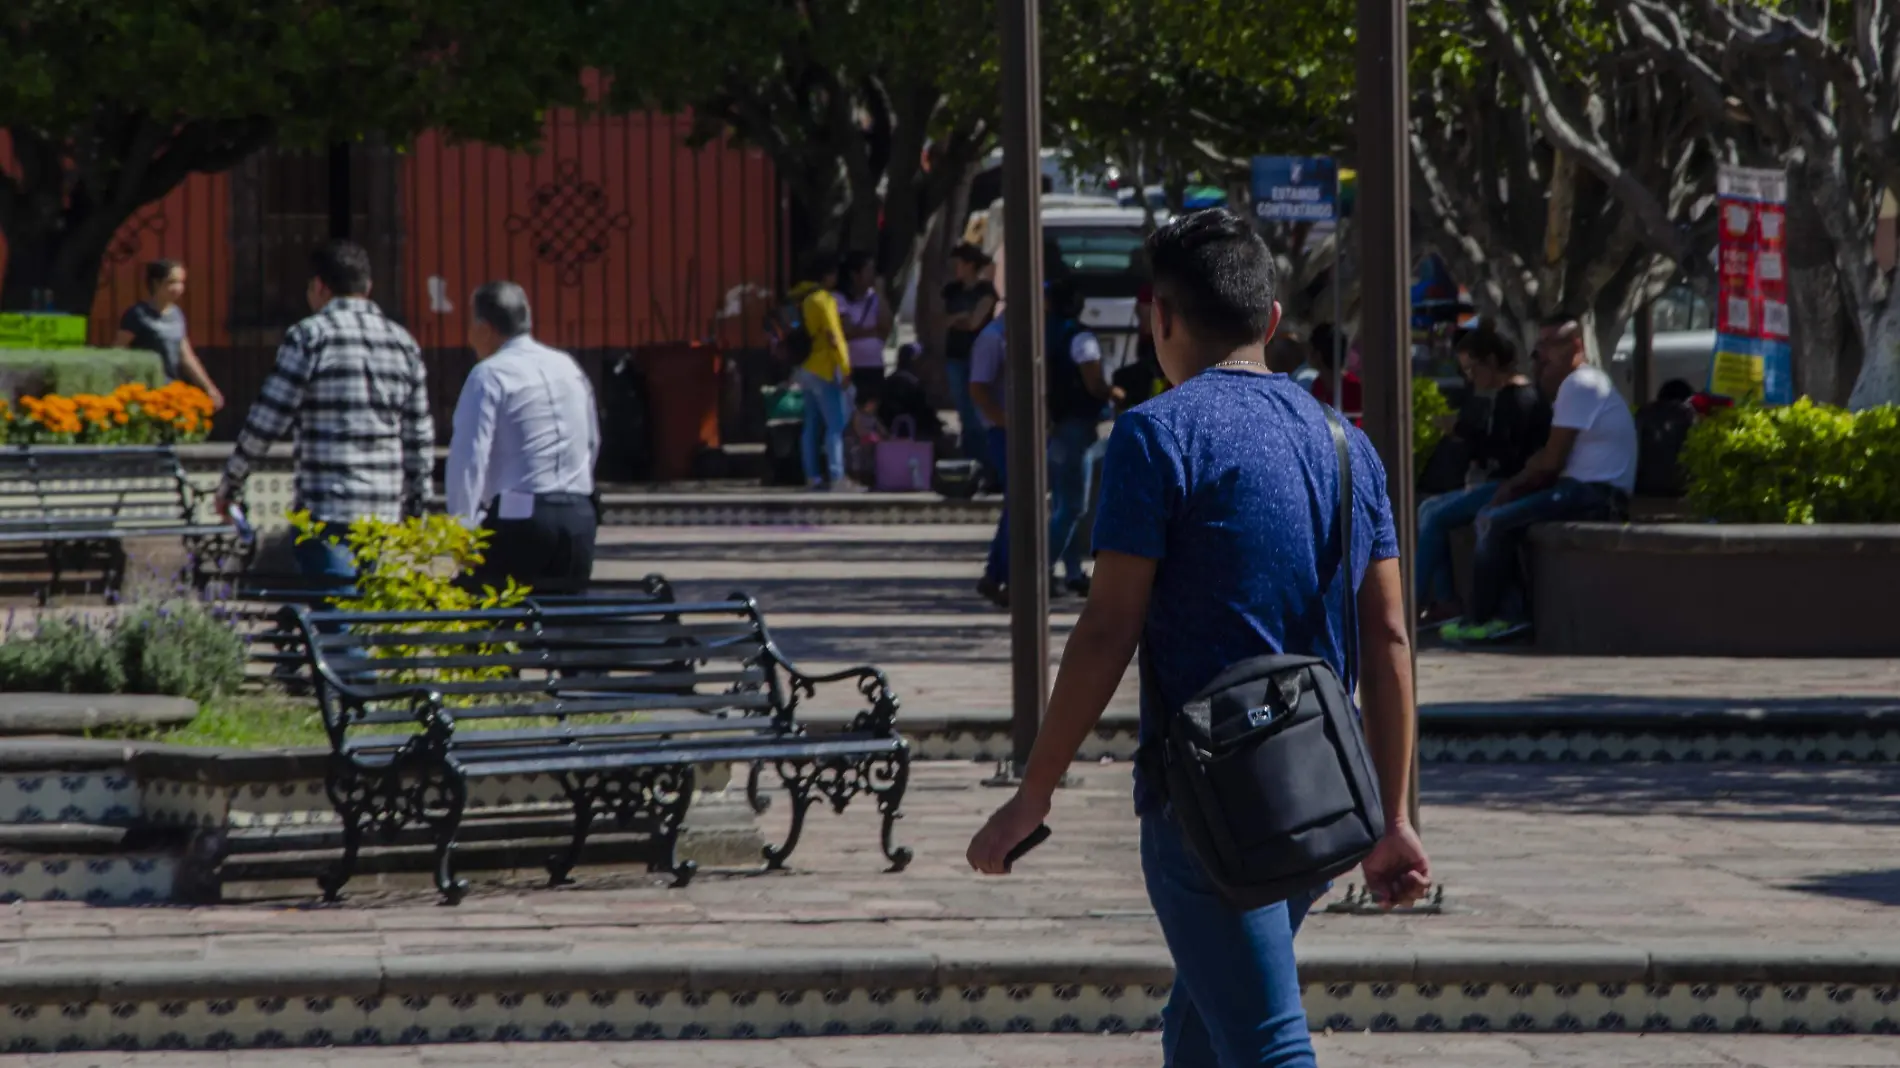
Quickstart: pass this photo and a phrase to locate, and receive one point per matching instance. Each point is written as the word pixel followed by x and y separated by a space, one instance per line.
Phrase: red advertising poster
pixel 1752 354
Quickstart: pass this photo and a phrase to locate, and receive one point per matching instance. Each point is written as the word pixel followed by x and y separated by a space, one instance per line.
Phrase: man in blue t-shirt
pixel 1215 543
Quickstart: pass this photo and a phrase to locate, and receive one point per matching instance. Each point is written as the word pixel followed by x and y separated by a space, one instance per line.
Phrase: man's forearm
pixel 1091 672
pixel 1386 695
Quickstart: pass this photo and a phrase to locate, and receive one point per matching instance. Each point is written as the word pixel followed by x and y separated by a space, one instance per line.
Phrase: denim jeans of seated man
pixel 1501 530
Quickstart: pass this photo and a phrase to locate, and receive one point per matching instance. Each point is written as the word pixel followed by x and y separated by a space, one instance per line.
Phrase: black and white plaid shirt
pixel 350 383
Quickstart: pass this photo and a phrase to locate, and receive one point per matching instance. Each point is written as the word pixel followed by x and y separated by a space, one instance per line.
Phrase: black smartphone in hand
pixel 1036 838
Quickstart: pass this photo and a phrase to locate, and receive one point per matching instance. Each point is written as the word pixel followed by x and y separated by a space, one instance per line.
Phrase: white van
pixel 1097 245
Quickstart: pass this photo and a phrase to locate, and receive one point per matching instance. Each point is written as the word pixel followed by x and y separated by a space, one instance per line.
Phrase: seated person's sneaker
pixel 1480 633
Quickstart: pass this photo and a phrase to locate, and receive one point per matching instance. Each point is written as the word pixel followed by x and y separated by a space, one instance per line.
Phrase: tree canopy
pixel 108 105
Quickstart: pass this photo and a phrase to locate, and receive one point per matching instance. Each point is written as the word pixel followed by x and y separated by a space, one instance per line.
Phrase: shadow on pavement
pixel 1793 793
pixel 1878 887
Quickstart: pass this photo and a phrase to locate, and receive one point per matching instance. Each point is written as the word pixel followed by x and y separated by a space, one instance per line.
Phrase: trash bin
pixel 683 384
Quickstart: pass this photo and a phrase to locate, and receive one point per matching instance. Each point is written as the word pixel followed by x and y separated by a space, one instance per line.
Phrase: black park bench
pixel 619 703
pixel 81 503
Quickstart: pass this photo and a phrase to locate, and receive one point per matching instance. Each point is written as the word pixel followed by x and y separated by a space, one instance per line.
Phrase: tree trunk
pixel 1822 349
pixel 1879 380
pixel 40 264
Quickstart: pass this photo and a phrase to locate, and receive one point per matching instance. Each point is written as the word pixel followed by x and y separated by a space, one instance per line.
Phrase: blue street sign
pixel 1295 188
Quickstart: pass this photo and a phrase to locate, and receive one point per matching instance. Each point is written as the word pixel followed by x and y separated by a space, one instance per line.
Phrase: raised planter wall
pixel 1669 589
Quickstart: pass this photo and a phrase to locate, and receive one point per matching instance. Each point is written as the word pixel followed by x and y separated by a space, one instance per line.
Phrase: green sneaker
pixel 1464 633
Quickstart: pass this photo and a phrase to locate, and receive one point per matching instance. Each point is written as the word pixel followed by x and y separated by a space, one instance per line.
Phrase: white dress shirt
pixel 525 424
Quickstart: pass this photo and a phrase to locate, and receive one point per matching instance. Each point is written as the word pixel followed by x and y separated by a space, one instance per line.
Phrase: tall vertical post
pixel 341 201
pixel 1383 206
pixel 1028 474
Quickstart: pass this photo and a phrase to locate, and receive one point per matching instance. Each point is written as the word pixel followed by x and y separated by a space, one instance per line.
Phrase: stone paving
pixel 1621 855
pixel 1057 1051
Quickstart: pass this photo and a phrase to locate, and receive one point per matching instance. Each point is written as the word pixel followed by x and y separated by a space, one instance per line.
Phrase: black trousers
pixel 552 552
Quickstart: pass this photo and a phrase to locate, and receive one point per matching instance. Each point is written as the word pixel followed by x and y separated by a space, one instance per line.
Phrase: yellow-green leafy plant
pixel 1802 463
pixel 415 566
pixel 1428 404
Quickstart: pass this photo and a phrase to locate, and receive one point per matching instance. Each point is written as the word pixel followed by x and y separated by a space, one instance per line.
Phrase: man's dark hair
pixel 158 271
pixel 971 255
pixel 504 307
pixel 816 265
pixel 1217 273
pixel 343 268
pixel 1675 391
pixel 1562 323
pixel 1064 300
pixel 1488 346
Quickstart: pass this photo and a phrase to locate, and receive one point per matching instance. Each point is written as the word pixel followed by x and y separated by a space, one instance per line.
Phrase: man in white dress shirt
pixel 522 459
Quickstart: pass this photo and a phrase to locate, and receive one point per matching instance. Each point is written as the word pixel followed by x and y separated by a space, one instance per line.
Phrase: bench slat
pixel 583 759
pixel 604 685
pixel 586 706
pixel 642 728
pixel 644 634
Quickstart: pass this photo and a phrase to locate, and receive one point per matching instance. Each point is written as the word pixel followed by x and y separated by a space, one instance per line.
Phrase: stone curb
pixel 66 713
pixel 706 971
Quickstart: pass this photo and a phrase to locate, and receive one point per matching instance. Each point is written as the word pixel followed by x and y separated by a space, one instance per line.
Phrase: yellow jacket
pixel 820 310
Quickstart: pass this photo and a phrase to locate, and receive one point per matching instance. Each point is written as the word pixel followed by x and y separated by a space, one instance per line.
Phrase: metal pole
pixel 1028 474
pixel 1385 270
pixel 341 200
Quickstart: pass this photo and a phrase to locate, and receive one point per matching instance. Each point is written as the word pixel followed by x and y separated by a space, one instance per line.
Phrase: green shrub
pixel 1428 404
pixel 62 656
pixel 1804 463
pixel 180 648
pixel 35 372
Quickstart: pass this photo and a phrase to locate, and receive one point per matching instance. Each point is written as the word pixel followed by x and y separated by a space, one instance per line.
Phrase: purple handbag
pixel 904 464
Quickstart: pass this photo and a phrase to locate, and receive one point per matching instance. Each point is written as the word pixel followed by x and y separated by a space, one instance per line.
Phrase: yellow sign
pixel 40 331
pixel 1737 375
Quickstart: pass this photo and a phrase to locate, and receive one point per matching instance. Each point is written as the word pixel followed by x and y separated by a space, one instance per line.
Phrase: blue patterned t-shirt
pixel 1230 482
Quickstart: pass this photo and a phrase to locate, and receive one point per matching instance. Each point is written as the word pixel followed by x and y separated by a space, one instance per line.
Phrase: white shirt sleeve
pixel 1085 349
pixel 470 446
pixel 1578 400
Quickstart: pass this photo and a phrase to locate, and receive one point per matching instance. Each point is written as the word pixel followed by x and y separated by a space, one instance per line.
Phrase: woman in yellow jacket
pixel 822 377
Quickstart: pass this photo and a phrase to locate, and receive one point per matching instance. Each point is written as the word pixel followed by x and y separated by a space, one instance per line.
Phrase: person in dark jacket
pixel 1502 424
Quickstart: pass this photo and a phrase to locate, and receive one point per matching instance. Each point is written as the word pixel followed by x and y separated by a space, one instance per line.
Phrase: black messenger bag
pixel 1266 769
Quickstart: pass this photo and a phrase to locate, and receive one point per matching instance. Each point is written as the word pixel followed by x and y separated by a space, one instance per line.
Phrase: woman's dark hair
pixel 850 264
pixel 1489 347
pixel 1321 343
pixel 815 266
pixel 158 272
pixel 971 255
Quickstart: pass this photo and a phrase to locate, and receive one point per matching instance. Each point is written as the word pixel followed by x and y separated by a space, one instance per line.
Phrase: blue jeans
pixel 972 433
pixel 996 569
pixel 1437 518
pixel 825 416
pixel 328 564
pixel 1236 998
pixel 1069 443
pixel 1501 530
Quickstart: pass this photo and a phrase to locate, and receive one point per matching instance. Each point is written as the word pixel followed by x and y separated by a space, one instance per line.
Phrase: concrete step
pixel 694 992
pixel 268 863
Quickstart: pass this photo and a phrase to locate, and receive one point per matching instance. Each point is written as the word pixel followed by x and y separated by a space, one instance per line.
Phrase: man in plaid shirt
pixel 350 382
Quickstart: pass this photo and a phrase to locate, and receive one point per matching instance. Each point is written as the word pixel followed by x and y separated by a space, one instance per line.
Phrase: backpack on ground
pixel 1266 769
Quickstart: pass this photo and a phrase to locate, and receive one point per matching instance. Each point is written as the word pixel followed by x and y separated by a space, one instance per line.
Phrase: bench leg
pixel 447 794
pixel 889 781
pixel 349 794
pixel 559 865
pixel 798 777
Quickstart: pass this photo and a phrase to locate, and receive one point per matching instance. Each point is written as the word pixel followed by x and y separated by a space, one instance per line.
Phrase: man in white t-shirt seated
pixel 1585 472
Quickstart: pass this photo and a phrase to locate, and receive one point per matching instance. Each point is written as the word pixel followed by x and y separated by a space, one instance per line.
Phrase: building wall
pixel 621 233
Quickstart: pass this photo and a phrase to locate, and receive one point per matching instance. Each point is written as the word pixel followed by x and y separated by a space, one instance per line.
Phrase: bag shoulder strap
pixel 1348 616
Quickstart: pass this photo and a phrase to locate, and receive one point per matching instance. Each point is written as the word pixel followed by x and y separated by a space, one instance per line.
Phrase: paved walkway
pixel 1057 1051
pixel 1636 856
pixel 901 597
